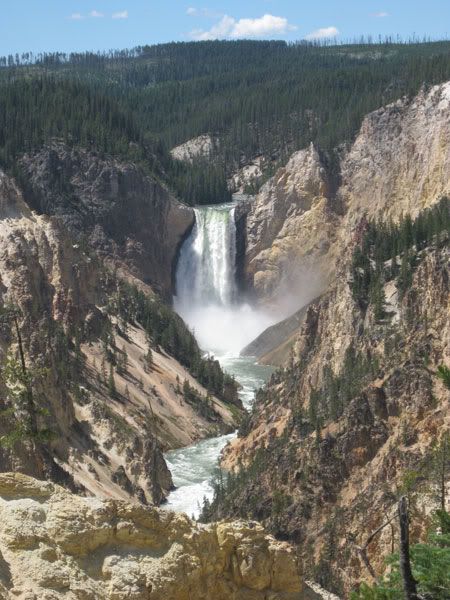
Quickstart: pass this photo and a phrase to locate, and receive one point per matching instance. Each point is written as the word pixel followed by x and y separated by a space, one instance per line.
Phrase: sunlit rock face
pixel 102 445
pixel 199 147
pixel 291 226
pixel 57 545
pixel 299 224
pixel 344 477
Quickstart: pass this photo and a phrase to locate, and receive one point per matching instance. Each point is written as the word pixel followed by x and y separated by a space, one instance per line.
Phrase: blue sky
pixel 66 25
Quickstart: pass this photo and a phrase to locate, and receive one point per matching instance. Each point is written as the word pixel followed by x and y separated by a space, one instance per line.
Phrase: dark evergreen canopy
pixel 266 98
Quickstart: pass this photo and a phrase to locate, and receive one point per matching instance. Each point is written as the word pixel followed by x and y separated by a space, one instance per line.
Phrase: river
pixel 207 299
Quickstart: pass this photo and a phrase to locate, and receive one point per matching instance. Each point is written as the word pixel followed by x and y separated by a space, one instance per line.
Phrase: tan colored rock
pixel 121 212
pixel 57 545
pixel 199 147
pixel 107 447
pixel 386 430
pixel 297 227
pixel 400 160
pixel 290 230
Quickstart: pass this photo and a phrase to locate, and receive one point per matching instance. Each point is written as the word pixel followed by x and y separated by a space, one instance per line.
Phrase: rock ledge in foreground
pixel 54 544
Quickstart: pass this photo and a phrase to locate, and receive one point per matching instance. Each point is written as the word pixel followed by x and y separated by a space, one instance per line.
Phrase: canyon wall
pixel 300 222
pixel 379 410
pixel 359 406
pixel 115 207
pixel 109 412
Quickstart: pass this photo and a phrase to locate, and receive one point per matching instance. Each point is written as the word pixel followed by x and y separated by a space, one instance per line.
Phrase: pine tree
pixel 111 381
pixel 377 297
pixel 148 359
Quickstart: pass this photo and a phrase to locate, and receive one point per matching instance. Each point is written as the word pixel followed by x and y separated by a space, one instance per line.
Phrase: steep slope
pixel 274 344
pixel 290 226
pixel 341 430
pixel 329 442
pixel 107 394
pixel 54 544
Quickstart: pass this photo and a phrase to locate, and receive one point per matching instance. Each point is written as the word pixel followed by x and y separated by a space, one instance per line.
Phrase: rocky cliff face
pixel 399 161
pixel 359 407
pixel 291 226
pixel 299 224
pixel 117 209
pixel 379 409
pixel 108 425
pixel 56 545
pixel 200 147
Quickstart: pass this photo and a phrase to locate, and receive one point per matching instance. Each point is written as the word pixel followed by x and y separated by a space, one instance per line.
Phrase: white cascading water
pixel 207 299
pixel 206 269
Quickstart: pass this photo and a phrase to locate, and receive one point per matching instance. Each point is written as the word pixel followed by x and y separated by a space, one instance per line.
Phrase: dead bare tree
pixel 362 550
pixel 409 583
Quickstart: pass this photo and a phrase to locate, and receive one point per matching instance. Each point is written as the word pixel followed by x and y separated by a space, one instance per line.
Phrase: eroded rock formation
pixel 109 426
pixel 200 147
pixel 299 224
pixel 368 383
pixel 56 545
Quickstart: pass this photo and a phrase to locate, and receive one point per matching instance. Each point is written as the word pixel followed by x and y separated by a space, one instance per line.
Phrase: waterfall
pixel 206 269
pixel 206 291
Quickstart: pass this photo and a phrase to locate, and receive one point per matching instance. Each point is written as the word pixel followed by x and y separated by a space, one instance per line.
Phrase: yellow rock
pixel 55 545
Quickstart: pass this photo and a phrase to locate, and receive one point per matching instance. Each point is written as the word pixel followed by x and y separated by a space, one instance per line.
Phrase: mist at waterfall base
pixel 207 296
pixel 225 331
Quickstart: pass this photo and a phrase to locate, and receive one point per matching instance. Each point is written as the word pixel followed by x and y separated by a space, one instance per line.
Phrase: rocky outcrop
pixel 359 407
pixel 200 147
pixel 50 282
pixel 299 224
pixel 400 160
pixel 57 545
pixel 248 174
pixel 274 344
pixel 291 227
pixel 112 206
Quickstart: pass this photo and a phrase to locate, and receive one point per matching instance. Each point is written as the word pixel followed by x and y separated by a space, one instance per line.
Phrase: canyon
pixel 58 545
pixel 55 284
pixel 104 274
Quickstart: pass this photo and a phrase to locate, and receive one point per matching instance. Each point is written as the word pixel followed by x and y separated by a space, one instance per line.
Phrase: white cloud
pixel 380 15
pixel 323 33
pixel 191 11
pixel 265 25
pixel 96 14
pixel 219 31
pixel 123 14
pixel 76 17
pixel 228 27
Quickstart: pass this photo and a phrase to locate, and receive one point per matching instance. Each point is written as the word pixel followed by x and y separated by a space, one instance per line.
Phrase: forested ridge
pixel 259 98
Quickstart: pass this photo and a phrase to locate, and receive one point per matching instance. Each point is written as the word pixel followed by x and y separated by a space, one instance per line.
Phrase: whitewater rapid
pixel 194 467
pixel 207 299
